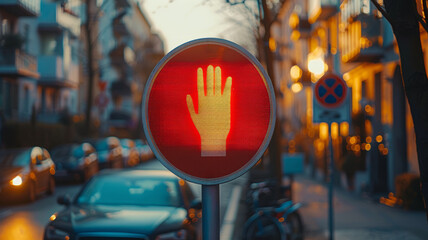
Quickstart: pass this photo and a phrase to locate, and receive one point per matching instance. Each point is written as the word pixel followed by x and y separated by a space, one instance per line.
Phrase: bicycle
pixel 269 222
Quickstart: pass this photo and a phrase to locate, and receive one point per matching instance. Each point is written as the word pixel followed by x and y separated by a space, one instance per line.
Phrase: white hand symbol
pixel 213 118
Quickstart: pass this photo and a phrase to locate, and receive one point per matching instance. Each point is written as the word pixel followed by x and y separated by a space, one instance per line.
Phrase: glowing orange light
pixel 368 147
pixel 385 151
pixel 352 140
pixel 324 131
pixel 334 130
pixel 296 87
pixel 379 138
pixel 181 182
pixel 381 147
pixel 344 129
pixel 296 72
pixel 368 139
pixel 357 148
pixel 53 217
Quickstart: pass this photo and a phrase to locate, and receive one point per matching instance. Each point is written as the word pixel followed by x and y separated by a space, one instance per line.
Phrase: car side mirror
pixel 196 204
pixel 64 200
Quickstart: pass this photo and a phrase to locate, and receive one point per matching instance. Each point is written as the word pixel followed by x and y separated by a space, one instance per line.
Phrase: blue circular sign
pixel 330 91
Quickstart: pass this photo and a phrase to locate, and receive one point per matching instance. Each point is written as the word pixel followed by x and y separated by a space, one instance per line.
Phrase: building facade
pixel 19 73
pixel 351 39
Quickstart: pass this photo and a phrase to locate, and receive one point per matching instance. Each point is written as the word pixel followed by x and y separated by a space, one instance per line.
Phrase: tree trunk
pixel 407 32
pixel 89 65
pixel 274 146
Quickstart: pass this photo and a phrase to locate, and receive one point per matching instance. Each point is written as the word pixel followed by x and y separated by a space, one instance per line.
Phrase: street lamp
pixel 316 64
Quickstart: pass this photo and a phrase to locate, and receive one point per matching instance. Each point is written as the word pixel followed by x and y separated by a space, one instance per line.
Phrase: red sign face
pixel 330 91
pixel 209 111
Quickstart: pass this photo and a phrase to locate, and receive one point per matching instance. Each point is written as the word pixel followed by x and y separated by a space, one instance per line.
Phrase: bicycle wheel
pixel 293 226
pixel 263 227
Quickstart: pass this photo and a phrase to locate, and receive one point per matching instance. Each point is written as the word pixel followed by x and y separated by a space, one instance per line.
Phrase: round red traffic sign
pixel 209 111
pixel 330 91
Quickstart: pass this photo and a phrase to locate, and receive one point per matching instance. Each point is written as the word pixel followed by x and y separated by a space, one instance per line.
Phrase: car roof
pixel 138 173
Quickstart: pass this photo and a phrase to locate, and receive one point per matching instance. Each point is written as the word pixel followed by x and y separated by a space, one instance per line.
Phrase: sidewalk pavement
pixel 355 217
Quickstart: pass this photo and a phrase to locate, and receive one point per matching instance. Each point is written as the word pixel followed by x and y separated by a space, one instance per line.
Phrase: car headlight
pixel 176 235
pixel 53 233
pixel 16 181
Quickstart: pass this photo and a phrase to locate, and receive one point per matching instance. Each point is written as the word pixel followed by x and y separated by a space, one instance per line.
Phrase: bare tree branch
pixel 382 10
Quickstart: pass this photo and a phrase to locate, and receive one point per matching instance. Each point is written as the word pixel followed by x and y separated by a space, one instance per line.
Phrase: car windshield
pixel 16 158
pixel 105 190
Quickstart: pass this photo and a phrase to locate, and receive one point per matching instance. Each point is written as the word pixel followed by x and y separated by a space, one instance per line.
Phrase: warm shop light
pixel 316 66
pixel 324 131
pixel 295 72
pixel 344 129
pixel 17 181
pixel 296 87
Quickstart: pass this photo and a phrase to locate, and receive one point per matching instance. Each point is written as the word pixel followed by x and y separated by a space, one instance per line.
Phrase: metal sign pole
pixel 210 212
pixel 330 188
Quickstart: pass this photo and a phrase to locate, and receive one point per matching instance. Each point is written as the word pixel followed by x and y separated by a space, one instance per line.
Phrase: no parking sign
pixel 331 100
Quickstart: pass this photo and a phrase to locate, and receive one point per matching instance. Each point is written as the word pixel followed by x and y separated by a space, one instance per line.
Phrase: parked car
pixel 131 156
pixel 128 204
pixel 78 162
pixel 145 151
pixel 26 173
pixel 109 152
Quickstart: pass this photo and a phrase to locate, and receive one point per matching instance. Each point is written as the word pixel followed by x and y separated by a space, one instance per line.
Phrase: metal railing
pixel 17 59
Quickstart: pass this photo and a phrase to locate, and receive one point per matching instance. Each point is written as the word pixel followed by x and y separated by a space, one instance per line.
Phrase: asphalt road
pixel 27 221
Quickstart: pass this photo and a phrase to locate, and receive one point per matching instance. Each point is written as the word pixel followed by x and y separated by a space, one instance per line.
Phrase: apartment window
pixel 49 45
pixel 5 26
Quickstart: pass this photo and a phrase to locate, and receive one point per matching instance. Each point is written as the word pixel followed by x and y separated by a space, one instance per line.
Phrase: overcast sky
pixel 179 21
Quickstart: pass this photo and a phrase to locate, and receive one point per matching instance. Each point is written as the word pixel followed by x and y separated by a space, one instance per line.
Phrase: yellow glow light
pixel 379 138
pixel 53 217
pixel 334 130
pixel 295 72
pixel 295 35
pixel 296 87
pixel 352 140
pixel 316 66
pixel 346 77
pixel 369 139
pixel 344 129
pixel 324 131
pixel 17 181
pixel 293 21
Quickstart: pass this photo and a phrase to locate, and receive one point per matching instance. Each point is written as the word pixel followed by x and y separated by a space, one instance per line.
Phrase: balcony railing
pixel 16 62
pixel 321 9
pixel 360 38
pixel 55 18
pixel 22 8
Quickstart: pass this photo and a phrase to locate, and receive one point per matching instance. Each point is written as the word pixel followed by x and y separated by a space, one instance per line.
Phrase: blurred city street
pixel 255 103
pixel 355 217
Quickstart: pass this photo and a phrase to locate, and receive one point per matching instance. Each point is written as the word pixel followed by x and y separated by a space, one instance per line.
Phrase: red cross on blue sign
pixel 330 91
